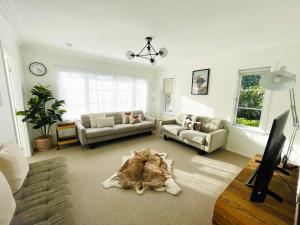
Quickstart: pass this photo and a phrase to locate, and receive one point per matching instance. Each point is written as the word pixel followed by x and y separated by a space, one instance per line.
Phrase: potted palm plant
pixel 44 110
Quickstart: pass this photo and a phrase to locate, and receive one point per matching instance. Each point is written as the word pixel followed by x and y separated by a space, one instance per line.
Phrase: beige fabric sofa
pixel 45 196
pixel 88 135
pixel 211 136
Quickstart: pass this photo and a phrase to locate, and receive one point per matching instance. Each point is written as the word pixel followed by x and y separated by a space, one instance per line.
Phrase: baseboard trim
pixel 239 153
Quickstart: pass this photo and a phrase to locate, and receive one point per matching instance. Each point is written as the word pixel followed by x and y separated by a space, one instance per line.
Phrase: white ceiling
pixel 190 29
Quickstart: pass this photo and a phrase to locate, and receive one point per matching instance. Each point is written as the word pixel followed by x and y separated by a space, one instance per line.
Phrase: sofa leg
pixel 92 146
pixel 165 137
pixel 200 152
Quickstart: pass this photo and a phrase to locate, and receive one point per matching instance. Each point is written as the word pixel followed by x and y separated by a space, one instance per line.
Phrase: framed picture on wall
pixel 200 81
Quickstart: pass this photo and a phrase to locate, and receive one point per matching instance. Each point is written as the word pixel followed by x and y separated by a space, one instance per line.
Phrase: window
pixel 88 92
pixel 251 100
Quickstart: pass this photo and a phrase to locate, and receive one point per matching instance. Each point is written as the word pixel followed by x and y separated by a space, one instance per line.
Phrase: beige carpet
pixel 202 179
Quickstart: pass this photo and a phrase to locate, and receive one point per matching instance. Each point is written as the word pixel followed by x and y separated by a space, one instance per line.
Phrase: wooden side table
pixel 69 139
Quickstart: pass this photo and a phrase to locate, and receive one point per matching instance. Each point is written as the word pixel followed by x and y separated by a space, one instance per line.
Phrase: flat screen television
pixel 262 176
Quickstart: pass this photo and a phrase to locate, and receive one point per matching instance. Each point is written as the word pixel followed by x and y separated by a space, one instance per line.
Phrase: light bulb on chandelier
pixel 163 52
pixel 148 52
pixel 153 61
pixel 130 55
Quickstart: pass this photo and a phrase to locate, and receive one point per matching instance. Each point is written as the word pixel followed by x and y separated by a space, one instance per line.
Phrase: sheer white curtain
pixel 124 94
pixel 86 92
pixel 100 94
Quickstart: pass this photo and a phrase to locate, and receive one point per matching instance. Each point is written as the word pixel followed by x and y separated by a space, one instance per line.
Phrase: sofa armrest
pixel 81 133
pixel 216 139
pixel 150 119
pixel 165 122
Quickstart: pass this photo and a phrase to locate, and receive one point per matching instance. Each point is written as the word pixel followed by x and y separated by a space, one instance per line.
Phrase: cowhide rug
pixel 144 170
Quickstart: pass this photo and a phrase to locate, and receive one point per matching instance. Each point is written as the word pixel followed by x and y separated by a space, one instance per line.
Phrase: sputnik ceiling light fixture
pixel 148 52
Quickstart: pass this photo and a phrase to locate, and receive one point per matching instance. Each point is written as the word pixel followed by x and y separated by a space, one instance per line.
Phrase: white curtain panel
pixel 88 92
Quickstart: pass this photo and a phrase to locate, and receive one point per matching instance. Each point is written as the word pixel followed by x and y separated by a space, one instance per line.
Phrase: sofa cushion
pixel 7 203
pixel 44 176
pixel 99 132
pixel 144 125
pixel 45 195
pixel 210 124
pixel 195 136
pixel 126 117
pixel 117 116
pixel 135 118
pixel 173 128
pixel 188 120
pixel 105 122
pixel 85 120
pixel 194 126
pixel 46 165
pixel 180 118
pixel 94 117
pixel 123 128
pixel 13 165
pixel 139 112
pixel 53 213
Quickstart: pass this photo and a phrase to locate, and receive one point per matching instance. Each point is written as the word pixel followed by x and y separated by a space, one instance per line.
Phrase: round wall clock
pixel 37 69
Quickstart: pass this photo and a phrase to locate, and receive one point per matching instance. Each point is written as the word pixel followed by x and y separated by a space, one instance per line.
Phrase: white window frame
pixel 266 102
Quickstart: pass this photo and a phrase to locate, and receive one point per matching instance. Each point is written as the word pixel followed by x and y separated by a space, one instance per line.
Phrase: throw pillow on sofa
pixel 13 165
pixel 136 118
pixel 105 122
pixel 196 126
pixel 126 117
pixel 7 203
pixel 188 120
pixel 94 117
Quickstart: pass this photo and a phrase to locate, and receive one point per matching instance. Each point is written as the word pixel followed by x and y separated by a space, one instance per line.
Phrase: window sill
pixel 249 129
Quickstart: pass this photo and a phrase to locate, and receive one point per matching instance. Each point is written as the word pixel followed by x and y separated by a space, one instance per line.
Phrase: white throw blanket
pixel 170 185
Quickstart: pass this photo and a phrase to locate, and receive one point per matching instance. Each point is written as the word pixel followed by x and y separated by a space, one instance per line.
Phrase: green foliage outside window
pixel 246 122
pixel 250 101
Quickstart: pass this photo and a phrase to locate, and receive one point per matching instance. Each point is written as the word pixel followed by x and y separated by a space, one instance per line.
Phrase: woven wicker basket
pixel 43 144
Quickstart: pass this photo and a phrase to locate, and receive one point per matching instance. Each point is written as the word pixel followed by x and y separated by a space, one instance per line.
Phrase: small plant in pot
pixel 44 110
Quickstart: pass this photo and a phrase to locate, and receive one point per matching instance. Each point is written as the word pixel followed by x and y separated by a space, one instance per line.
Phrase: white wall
pixel 54 59
pixel 11 45
pixel 222 88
